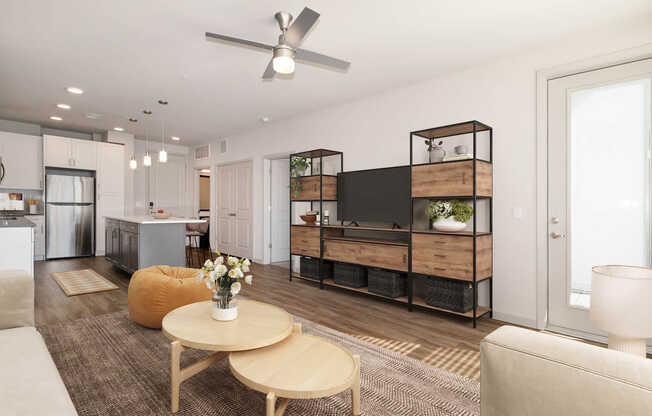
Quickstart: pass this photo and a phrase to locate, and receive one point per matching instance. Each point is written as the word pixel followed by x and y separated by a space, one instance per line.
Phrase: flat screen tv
pixel 374 195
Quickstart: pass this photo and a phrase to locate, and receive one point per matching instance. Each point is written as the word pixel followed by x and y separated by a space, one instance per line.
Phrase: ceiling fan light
pixel 163 156
pixel 283 62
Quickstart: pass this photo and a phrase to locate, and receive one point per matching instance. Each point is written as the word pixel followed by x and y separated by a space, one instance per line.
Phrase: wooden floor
pixel 417 333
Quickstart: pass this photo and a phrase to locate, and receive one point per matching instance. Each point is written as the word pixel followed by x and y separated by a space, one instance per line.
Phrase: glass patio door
pixel 598 183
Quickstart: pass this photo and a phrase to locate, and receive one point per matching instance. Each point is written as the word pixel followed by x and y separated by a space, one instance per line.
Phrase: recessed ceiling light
pixel 264 119
pixel 75 90
pixel 147 112
pixel 175 138
pixel 205 171
pixel 55 118
pixel 163 102
pixel 63 106
pixel 133 120
pixel 118 129
pixel 93 116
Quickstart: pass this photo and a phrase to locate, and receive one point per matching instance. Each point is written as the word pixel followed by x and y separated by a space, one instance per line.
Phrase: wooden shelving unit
pixel 463 256
pixel 417 251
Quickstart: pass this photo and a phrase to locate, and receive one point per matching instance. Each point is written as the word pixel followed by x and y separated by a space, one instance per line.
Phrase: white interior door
pixel 234 209
pixel 226 209
pixel 243 217
pixel 598 183
pixel 280 210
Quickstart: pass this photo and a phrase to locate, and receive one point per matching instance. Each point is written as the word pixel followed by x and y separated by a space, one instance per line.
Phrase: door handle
pixel 555 235
pixel 232 214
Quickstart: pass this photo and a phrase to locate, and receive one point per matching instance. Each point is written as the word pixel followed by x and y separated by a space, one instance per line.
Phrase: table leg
pixel 270 404
pixel 175 374
pixel 355 388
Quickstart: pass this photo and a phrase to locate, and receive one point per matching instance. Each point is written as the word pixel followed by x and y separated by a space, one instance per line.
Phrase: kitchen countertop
pixel 150 220
pixel 18 222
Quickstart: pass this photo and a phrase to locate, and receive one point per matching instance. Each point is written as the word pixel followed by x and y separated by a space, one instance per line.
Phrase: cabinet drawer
pixel 451 179
pixel 368 254
pixel 129 227
pixel 305 241
pixel 451 256
pixel 310 189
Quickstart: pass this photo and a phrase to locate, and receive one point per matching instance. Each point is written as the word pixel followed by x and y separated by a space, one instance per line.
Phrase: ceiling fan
pixel 287 49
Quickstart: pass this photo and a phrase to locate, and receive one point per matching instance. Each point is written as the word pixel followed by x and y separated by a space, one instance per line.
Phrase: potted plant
pixel 435 152
pixel 224 280
pixel 449 215
pixel 298 167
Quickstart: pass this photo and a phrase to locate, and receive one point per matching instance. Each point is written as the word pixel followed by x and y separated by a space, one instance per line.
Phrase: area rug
pixel 81 282
pixel 462 361
pixel 113 366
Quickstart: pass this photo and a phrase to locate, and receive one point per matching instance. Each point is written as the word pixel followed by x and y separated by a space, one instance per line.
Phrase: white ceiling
pixel 126 54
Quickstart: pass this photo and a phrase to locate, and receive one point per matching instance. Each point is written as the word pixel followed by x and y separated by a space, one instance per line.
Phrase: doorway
pixel 279 186
pixel 599 173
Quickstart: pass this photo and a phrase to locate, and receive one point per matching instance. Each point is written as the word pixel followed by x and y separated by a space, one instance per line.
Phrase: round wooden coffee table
pixel 299 367
pixel 191 326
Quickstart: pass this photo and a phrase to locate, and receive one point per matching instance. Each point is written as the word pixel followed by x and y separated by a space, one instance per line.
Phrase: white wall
pixel 373 132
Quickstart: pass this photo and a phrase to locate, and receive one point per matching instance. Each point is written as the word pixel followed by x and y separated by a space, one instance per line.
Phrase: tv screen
pixel 375 195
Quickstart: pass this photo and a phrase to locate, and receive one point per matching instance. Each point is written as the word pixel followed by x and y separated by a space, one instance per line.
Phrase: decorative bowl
pixel 161 216
pixel 309 219
pixel 448 225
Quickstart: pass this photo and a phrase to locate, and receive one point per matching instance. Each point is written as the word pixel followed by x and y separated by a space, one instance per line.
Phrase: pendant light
pixel 147 159
pixel 133 163
pixel 162 154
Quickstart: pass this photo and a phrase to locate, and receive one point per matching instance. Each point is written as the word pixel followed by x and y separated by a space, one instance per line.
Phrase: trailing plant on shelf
pixel 298 166
pixel 449 215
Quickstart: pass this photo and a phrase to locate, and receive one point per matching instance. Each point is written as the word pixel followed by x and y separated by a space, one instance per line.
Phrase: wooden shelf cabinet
pixel 310 191
pixel 451 179
pixel 386 256
pixel 451 256
pixel 305 241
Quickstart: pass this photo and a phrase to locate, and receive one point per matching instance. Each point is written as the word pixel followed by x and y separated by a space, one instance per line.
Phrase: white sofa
pixel 528 373
pixel 29 381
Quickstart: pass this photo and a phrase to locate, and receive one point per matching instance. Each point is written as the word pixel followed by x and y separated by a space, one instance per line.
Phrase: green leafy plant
pixel 298 164
pixel 446 209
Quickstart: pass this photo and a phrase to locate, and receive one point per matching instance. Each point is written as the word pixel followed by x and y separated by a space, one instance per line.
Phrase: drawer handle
pixel 443 256
pixel 440 269
pixel 463 179
pixel 404 258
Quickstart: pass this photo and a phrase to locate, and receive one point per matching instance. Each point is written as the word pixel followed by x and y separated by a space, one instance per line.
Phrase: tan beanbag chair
pixel 156 290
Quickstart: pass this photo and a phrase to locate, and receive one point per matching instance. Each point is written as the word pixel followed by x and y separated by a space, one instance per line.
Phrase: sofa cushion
pixel 29 381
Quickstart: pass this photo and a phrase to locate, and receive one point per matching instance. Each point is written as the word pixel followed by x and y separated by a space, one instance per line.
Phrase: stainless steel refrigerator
pixel 70 215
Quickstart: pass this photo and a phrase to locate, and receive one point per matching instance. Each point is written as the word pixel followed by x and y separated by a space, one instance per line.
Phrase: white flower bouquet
pixel 223 276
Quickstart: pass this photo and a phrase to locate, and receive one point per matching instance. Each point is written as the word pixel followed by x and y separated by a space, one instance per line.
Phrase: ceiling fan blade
pixel 301 25
pixel 317 58
pixel 269 71
pixel 239 41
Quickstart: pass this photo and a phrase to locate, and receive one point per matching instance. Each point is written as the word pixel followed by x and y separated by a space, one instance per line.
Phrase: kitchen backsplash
pixel 17 200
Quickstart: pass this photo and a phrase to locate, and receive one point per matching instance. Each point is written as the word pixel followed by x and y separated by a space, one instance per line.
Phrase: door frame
pixel 542 77
pixel 215 200
pixel 267 201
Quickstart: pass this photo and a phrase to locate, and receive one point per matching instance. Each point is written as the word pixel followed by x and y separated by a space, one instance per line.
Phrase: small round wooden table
pixel 257 325
pixel 299 367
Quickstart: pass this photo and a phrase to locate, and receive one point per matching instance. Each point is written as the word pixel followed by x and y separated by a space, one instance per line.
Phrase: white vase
pixel 448 224
pixel 228 314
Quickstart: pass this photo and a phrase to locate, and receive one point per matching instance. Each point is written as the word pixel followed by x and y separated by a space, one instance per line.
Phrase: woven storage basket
pixel 450 294
pixel 309 267
pixel 386 282
pixel 350 275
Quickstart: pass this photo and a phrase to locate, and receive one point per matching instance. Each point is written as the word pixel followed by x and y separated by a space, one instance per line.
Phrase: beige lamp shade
pixel 621 300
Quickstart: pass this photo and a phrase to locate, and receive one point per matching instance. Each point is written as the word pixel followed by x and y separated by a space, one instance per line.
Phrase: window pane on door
pixel 609 199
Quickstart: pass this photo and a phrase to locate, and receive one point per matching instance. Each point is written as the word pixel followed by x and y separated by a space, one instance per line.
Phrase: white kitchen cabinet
pixel 17 248
pixel 39 235
pixel 22 157
pixel 110 184
pixel 64 152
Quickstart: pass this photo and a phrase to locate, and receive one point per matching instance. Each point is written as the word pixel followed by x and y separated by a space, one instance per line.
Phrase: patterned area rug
pixel 81 282
pixel 113 366
pixel 462 361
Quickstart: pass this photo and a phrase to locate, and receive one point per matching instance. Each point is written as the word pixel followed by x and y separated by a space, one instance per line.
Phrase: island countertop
pixel 150 220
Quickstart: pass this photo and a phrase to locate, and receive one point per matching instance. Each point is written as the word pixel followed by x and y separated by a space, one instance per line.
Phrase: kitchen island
pixel 16 244
pixel 133 243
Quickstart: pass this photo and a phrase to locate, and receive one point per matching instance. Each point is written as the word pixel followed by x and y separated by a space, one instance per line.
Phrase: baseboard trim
pixel 513 319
